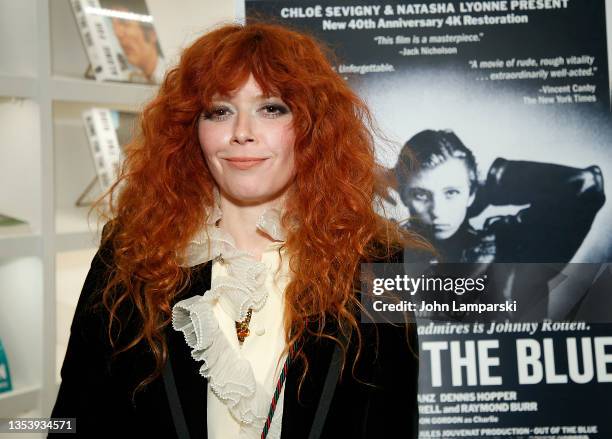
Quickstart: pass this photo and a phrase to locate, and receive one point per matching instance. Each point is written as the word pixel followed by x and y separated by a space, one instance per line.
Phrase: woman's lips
pixel 244 162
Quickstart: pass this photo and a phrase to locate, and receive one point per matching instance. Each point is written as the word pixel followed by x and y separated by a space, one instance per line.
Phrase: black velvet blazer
pixel 97 390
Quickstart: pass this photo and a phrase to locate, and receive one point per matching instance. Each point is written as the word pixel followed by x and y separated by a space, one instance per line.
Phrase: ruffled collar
pixel 211 242
pixel 230 376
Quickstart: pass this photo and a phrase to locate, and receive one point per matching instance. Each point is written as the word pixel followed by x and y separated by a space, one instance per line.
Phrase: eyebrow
pixel 257 97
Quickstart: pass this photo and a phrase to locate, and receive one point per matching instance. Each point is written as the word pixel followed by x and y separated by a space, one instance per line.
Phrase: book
pixel 11 226
pixel 107 131
pixel 5 374
pixel 120 40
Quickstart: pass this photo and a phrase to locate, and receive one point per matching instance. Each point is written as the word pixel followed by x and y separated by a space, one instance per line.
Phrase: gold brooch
pixel 242 328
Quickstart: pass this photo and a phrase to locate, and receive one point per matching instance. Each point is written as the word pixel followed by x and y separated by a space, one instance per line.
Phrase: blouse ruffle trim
pixel 229 375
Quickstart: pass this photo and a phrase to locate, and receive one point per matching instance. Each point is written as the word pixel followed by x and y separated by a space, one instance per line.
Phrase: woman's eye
pixel 450 193
pixel 274 110
pixel 419 195
pixel 219 113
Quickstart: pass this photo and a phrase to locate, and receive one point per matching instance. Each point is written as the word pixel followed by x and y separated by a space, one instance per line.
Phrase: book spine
pixel 94 34
pixel 104 145
pixel 86 36
pixel 5 374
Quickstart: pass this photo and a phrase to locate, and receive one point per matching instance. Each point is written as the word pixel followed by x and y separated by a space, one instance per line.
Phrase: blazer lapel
pixel 298 414
pixel 190 385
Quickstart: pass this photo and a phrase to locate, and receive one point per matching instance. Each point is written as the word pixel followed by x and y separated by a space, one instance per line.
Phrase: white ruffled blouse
pixel 241 378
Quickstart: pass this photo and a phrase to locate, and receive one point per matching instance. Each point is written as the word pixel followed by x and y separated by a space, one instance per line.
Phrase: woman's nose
pixel 433 212
pixel 435 208
pixel 243 130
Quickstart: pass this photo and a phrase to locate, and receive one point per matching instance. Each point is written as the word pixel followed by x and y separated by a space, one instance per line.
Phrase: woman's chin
pixel 441 235
pixel 252 197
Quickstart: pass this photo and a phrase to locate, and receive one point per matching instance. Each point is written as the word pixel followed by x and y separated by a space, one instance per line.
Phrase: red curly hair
pixel 159 201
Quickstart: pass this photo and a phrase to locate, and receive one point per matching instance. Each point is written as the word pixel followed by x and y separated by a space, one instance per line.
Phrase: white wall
pixel 177 26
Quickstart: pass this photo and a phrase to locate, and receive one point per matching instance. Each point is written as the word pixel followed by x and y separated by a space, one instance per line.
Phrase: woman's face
pixel 248 139
pixel 439 197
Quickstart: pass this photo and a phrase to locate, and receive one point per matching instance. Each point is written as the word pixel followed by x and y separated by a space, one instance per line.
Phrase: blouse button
pixel 260 330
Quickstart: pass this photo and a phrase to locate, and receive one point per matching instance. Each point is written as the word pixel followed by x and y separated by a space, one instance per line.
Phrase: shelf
pixel 73 232
pixel 72 220
pixel 18 401
pixel 18 86
pixel 17 246
pixel 76 241
pixel 103 93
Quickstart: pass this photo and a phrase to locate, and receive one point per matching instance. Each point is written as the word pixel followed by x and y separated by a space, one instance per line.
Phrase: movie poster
pixel 505 107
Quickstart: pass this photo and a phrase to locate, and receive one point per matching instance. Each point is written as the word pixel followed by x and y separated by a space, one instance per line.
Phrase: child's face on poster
pixel 438 197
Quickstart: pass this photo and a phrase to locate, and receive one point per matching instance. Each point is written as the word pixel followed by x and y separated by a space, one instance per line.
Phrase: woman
pixel 222 302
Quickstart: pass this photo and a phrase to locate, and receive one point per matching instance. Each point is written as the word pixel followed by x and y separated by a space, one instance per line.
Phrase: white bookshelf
pixel 20 245
pixel 102 93
pixel 21 328
pixel 18 86
pixel 44 166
